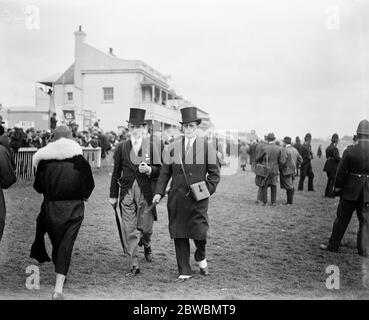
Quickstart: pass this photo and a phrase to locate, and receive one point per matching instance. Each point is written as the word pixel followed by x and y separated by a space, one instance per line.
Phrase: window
pixel 70 96
pixel 108 94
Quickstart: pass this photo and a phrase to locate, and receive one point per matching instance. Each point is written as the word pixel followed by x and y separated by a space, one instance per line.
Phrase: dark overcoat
pixel 7 178
pixel 333 159
pixel 353 173
pixel 269 155
pixel 188 218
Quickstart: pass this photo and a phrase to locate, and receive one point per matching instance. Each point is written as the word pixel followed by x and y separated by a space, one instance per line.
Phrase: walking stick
pixel 119 227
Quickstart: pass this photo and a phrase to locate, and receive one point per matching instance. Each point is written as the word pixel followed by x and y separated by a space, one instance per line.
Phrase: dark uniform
pixel 306 168
pixel 352 184
pixel 330 167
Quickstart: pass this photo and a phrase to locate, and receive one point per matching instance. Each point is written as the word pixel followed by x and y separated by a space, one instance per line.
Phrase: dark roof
pixel 67 77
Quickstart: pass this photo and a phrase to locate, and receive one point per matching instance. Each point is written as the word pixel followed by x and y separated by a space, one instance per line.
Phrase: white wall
pixel 127 94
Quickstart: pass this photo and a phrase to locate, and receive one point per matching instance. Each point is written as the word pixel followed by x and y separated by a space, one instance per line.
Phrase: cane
pixel 119 227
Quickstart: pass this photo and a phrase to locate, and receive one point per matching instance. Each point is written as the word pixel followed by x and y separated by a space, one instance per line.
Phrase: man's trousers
pixel 183 254
pixel 306 170
pixel 137 225
pixel 344 213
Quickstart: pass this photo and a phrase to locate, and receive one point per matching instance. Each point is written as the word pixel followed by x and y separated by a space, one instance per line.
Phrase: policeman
pixel 352 185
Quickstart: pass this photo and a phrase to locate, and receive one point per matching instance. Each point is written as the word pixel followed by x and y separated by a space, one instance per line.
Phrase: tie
pixel 135 145
pixel 188 146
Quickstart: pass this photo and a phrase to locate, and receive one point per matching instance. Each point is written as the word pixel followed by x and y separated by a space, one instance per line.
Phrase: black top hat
pixel 137 116
pixel 189 114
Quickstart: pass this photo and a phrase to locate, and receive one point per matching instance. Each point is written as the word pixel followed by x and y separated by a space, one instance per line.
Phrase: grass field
pixel 254 252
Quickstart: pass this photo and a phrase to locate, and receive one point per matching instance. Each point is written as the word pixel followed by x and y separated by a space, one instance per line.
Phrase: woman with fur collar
pixel 65 179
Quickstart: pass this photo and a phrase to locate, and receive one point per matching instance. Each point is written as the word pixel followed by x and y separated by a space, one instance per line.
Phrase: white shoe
pixel 183 278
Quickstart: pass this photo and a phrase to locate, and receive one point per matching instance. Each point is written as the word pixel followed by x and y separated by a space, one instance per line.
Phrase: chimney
pixel 80 35
pixel 111 52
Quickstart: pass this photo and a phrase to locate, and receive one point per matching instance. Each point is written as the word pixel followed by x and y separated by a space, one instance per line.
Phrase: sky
pixel 286 66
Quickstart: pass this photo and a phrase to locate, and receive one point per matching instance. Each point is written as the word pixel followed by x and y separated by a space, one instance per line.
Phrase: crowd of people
pixel 187 170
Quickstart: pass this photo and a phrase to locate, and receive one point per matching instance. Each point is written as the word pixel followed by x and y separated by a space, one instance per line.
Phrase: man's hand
pixel 113 202
pixel 144 168
pixel 156 198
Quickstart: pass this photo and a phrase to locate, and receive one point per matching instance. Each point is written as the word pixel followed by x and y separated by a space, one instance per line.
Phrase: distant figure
pixel 243 155
pixel 289 161
pixel 319 153
pixel 269 155
pixel 252 154
pixel 298 147
pixel 306 168
pixel 330 167
pixel 352 186
pixel 53 122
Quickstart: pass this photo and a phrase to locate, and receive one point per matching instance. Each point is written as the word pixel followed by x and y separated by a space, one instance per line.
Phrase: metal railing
pixel 24 166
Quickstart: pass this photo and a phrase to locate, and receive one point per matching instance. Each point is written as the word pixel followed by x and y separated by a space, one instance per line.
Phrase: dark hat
pixel 287 140
pixel 137 116
pixel 189 114
pixel 308 136
pixel 62 132
pixel 363 127
pixel 270 136
pixel 334 137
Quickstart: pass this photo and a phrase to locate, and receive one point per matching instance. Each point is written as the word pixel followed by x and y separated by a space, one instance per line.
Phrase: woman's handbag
pixel 199 190
pixel 262 170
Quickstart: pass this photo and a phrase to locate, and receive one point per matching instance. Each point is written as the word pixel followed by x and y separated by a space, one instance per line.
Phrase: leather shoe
pixel 326 248
pixel 204 271
pixel 57 296
pixel 134 271
pixel 148 254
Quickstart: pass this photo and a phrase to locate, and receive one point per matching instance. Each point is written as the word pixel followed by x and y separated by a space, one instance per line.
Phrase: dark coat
pixel 270 155
pixel 63 175
pixel 188 218
pixel 353 173
pixel 126 165
pixel 65 179
pixel 333 158
pixel 7 178
pixel 306 153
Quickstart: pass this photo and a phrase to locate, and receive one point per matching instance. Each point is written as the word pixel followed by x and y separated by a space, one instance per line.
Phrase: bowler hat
pixel 189 114
pixel 287 140
pixel 137 116
pixel 270 136
pixel 62 132
pixel 363 127
pixel 334 137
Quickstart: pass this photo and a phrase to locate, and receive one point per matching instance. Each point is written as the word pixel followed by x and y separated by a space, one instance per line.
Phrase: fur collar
pixel 58 150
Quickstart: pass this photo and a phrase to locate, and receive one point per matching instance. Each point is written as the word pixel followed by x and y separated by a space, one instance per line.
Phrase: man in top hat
pixel 330 167
pixel 291 159
pixel 306 168
pixel 352 185
pixel 136 168
pixel 188 218
pixel 269 155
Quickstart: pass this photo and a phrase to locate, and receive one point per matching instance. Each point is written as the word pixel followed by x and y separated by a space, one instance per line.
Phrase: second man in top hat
pixel 188 218
pixel 136 167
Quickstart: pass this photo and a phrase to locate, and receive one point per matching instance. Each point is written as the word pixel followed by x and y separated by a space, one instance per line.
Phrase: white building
pixel 99 85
